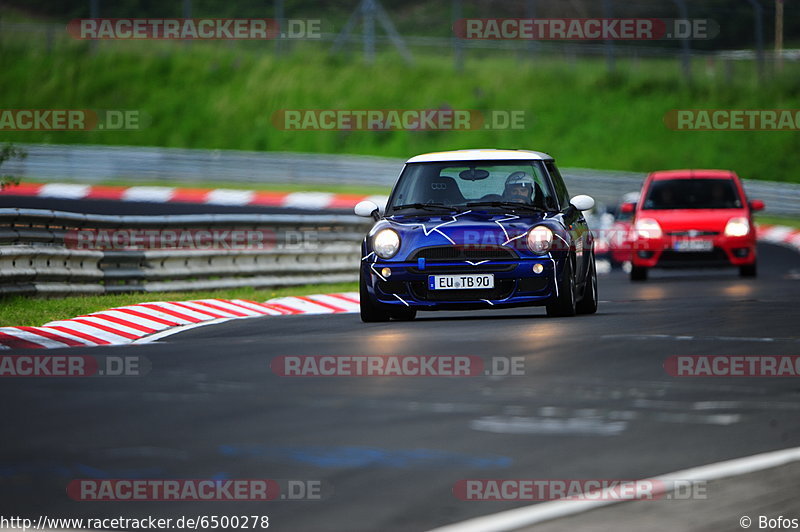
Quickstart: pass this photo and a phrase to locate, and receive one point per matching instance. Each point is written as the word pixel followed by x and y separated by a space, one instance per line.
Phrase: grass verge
pixel 777 220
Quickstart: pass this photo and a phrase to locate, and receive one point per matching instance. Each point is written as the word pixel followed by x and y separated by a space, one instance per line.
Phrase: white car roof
pixel 480 155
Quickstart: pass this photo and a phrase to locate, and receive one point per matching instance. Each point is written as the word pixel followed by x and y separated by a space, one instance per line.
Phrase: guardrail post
pixel 686 54
pixel 368 12
pixel 530 12
pixel 608 12
pixel 279 15
pixel 94 12
pixel 779 34
pixel 458 46
pixel 758 9
pixel 187 13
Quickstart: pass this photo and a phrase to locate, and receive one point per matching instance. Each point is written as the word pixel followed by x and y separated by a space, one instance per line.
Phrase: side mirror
pixel 627 208
pixel 582 202
pixel 757 205
pixel 367 209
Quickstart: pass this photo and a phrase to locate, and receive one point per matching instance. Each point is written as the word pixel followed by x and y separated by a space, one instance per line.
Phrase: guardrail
pixel 51 35
pixel 91 164
pixel 44 252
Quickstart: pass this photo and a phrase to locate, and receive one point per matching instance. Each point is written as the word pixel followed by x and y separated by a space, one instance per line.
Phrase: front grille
pixel 671 257
pixel 503 289
pixel 463 268
pixel 468 252
pixel 692 233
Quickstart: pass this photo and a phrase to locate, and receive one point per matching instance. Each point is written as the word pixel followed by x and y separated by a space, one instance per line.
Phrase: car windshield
pixel 623 216
pixel 490 186
pixel 692 194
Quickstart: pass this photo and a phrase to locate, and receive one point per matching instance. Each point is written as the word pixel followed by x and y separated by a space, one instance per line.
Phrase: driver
pixel 519 188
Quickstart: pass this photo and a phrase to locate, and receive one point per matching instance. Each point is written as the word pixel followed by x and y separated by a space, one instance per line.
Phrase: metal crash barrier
pixel 58 253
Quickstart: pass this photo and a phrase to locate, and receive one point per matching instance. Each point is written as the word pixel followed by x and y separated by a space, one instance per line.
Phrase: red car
pixel 693 218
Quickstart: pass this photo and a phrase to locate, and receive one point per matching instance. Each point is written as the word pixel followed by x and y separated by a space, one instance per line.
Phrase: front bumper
pixel 515 284
pixel 725 252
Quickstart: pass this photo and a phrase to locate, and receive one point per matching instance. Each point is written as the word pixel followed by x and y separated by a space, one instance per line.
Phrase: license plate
pixel 467 281
pixel 694 245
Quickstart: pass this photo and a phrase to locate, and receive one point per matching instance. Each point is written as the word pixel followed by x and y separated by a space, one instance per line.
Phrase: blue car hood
pixel 463 229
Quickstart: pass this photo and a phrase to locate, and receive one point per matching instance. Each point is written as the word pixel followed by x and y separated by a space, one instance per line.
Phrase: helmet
pixel 520 179
pixel 519 185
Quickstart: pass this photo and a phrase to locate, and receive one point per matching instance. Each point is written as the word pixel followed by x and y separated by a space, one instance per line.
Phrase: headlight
pixel 540 239
pixel 646 228
pixel 737 227
pixel 386 243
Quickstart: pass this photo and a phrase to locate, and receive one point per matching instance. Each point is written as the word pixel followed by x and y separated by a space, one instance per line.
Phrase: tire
pixel 588 303
pixel 564 305
pixel 748 270
pixel 638 273
pixel 370 312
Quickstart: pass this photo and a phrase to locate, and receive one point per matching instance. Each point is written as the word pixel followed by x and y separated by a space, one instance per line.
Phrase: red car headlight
pixel 647 228
pixel 739 226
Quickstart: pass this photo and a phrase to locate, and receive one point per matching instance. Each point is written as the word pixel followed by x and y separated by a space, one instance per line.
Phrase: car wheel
pixel 588 304
pixel 370 312
pixel 638 273
pixel 564 305
pixel 748 270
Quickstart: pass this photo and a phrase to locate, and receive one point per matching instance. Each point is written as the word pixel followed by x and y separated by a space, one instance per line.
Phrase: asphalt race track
pixel 594 402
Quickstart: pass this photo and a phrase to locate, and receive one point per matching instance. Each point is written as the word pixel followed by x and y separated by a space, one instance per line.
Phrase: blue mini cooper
pixel 478 229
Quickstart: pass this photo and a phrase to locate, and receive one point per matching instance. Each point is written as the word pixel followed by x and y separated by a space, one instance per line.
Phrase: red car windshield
pixel 666 194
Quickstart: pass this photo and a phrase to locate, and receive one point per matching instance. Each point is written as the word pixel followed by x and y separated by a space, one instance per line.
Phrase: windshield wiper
pixel 512 204
pixel 425 206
